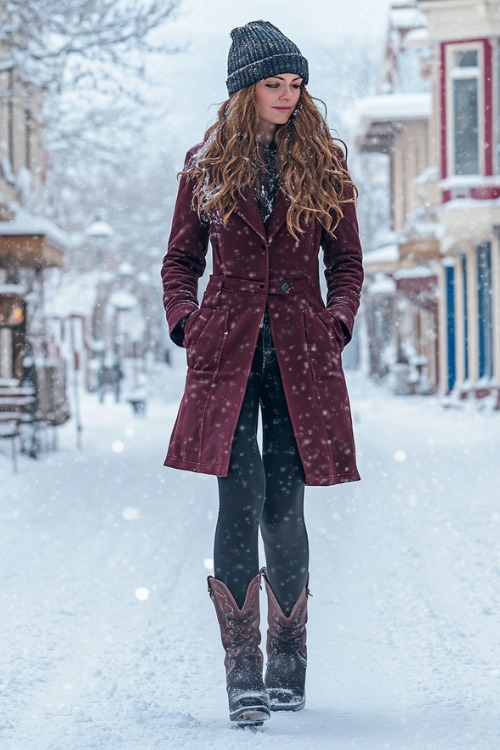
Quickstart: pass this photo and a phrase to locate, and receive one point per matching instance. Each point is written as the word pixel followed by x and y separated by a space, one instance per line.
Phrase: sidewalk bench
pixel 17 408
pixel 9 430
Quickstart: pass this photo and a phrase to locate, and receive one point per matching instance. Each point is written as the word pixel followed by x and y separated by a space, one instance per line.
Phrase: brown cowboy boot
pixel 286 652
pixel 240 635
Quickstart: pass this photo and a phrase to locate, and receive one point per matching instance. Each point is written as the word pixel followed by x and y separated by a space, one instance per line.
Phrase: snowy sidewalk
pixel 109 638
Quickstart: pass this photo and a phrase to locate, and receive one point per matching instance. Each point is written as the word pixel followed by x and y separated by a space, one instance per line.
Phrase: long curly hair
pixel 311 164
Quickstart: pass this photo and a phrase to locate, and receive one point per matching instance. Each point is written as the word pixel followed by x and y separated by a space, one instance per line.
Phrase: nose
pixel 286 92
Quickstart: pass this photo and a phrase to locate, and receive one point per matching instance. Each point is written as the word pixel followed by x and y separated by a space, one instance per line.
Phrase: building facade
pixel 466 74
pixel 444 152
pixel 401 289
pixel 30 246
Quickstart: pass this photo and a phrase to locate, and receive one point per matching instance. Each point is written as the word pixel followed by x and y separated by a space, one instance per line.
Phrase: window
pixel 497 108
pixel 466 58
pixel 11 311
pixel 464 107
pixel 465 127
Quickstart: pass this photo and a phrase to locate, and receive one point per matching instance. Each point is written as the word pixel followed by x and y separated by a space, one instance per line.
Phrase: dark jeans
pixel 263 490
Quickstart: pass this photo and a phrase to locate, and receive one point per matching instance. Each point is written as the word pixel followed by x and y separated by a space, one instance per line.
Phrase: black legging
pixel 263 490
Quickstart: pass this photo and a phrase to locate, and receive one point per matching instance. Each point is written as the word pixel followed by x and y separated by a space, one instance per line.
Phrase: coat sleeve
pixel 342 256
pixel 185 261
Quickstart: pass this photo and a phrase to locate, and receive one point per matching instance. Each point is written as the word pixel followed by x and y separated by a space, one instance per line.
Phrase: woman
pixel 268 187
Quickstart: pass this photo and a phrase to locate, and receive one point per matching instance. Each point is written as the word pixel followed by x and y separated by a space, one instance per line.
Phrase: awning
pixel 29 241
pixel 29 251
pixel 381 118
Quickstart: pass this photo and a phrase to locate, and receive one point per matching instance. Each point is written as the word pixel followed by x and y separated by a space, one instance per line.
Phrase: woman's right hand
pixel 178 332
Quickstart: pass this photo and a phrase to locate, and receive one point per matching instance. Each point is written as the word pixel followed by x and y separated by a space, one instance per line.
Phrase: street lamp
pixel 121 302
pixel 98 240
pixel 98 235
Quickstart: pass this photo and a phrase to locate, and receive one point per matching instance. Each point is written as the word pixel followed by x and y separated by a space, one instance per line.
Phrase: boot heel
pixel 285 700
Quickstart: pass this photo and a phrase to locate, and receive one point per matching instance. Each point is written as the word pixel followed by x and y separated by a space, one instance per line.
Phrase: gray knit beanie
pixel 259 50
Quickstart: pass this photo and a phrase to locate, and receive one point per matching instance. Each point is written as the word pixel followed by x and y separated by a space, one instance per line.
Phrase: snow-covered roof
pixel 385 236
pixel 419 272
pixel 422 222
pixel 13 289
pixel 417 38
pixel 468 204
pixel 448 262
pixel 469 181
pixel 26 223
pixel 384 254
pixel 401 106
pixel 76 295
pixel 420 228
pixel 382 285
pixel 406 17
pixel 428 175
pixel 123 300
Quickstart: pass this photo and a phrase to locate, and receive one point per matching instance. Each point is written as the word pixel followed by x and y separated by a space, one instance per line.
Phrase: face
pixel 276 98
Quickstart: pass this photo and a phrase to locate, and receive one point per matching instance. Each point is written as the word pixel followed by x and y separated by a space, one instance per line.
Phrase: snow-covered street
pixel 109 638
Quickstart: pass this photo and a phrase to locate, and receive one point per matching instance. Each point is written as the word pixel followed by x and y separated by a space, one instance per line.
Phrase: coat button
pixel 285 286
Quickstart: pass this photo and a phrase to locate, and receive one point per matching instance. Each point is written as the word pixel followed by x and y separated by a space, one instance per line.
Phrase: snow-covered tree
pixel 88 57
pixel 53 44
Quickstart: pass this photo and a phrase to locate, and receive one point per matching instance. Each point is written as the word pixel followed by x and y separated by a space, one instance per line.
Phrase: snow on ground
pixel 109 638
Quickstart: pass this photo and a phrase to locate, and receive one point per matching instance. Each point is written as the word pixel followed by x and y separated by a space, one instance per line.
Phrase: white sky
pixel 196 78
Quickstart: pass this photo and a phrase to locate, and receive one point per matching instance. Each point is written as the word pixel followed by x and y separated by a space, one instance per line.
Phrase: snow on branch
pixel 45 38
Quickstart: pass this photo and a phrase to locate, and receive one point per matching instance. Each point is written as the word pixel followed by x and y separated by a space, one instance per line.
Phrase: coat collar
pixel 248 210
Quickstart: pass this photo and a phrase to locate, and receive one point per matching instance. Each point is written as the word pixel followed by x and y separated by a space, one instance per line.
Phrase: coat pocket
pixel 323 344
pixel 204 338
pixel 333 326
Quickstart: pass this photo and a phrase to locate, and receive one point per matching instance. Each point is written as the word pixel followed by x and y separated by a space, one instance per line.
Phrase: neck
pixel 265 133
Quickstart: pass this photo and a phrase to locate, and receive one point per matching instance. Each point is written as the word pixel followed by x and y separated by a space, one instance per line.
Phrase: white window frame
pixel 496 107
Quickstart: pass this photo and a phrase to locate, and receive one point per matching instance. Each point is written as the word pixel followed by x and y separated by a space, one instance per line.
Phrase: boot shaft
pixel 286 632
pixel 239 628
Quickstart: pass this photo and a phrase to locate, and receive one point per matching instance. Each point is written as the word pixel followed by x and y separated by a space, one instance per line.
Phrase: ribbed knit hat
pixel 259 50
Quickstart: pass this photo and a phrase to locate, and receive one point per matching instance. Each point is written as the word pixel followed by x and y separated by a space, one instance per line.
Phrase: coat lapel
pixel 248 210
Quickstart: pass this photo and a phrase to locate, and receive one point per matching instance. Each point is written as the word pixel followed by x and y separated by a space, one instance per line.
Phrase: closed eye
pixel 276 85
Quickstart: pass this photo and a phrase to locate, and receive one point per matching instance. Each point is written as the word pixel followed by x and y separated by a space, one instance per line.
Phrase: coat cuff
pixel 181 311
pixel 346 319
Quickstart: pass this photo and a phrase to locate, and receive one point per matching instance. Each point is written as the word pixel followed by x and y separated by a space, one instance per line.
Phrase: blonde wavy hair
pixel 311 164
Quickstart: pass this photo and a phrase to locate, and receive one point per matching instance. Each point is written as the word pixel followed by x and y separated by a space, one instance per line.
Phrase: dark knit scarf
pixel 267 182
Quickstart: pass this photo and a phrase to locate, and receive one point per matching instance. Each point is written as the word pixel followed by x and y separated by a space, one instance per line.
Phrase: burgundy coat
pixel 253 269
